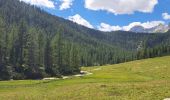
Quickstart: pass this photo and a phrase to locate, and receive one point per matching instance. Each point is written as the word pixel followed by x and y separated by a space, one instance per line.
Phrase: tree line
pixel 26 54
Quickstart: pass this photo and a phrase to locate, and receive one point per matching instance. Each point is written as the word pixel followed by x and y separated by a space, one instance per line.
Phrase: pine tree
pixel 5 69
pixel 48 57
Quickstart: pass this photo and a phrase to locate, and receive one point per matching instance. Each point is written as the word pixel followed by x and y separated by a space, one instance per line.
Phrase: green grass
pixel 138 80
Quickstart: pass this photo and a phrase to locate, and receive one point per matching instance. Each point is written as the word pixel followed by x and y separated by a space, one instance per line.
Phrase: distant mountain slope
pixel 157 29
pixel 137 28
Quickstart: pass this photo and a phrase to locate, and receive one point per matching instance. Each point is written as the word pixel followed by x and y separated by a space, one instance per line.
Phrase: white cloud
pixel 122 6
pixel 43 3
pixel 79 20
pixel 66 4
pixel 151 24
pixel 107 28
pixel 166 16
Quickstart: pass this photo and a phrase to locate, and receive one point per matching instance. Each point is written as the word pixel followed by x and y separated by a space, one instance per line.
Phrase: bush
pixel 18 76
pixel 5 72
pixel 34 73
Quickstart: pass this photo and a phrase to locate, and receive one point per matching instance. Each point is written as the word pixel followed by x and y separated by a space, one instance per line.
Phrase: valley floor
pixel 137 80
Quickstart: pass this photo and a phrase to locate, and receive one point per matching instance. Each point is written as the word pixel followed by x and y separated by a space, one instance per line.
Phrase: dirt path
pixel 82 73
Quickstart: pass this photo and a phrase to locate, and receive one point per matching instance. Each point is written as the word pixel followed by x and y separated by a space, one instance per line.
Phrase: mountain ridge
pixel 156 29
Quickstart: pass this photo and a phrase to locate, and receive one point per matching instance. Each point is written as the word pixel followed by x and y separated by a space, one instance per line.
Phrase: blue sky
pixel 109 15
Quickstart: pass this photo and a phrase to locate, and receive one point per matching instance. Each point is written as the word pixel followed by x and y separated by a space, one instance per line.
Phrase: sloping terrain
pixel 137 80
pixel 49 24
pixel 95 47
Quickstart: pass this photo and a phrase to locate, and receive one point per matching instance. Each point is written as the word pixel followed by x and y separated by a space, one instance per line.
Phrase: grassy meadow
pixel 147 79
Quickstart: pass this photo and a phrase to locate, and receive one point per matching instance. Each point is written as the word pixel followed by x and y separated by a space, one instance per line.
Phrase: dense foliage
pixel 35 44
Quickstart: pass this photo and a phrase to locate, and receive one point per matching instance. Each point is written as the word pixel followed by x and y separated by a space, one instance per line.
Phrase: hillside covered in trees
pixel 35 44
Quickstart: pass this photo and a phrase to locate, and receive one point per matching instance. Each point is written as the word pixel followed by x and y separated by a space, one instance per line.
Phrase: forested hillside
pixel 35 44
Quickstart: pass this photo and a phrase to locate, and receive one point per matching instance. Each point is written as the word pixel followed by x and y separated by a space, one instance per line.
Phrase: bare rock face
pixel 157 29
pixel 138 28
